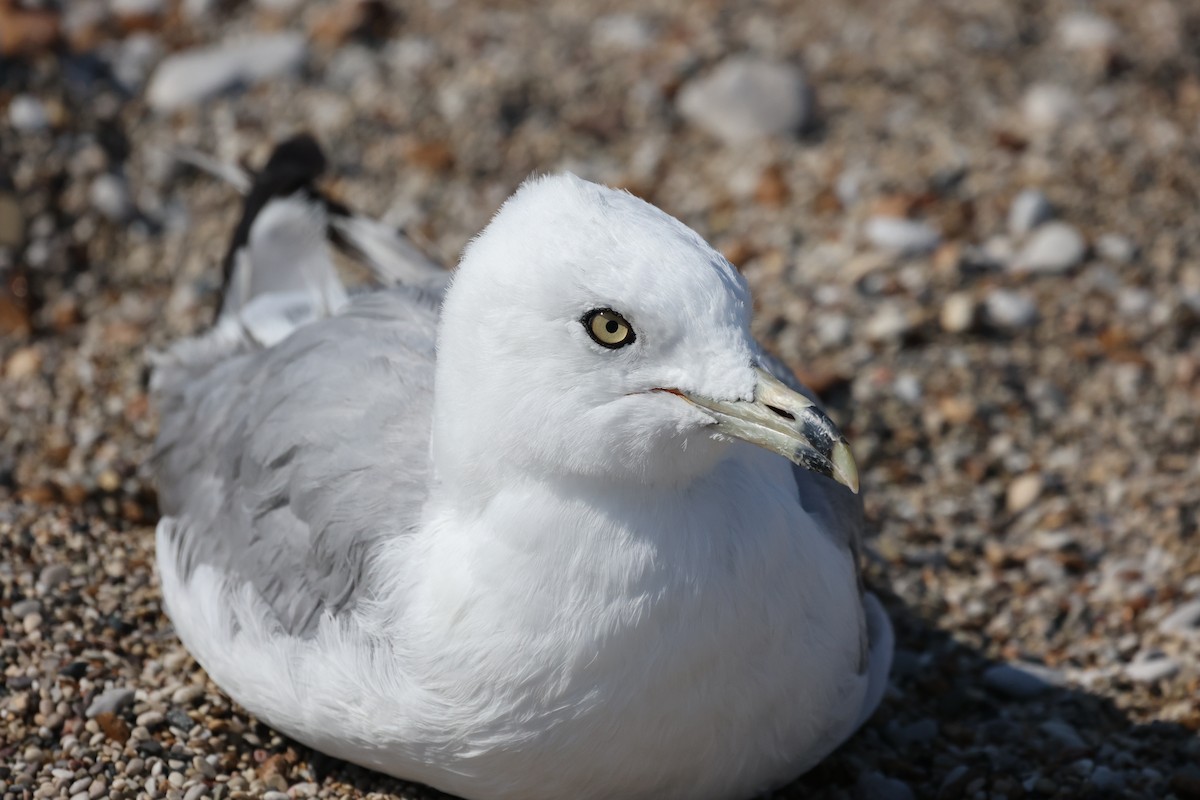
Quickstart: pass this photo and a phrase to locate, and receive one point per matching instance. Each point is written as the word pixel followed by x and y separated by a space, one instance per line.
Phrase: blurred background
pixel 970 226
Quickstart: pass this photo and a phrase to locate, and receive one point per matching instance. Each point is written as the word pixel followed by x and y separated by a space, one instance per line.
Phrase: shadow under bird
pixel 550 526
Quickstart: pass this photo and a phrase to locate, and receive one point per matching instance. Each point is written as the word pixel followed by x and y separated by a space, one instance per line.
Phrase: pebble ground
pixel 972 227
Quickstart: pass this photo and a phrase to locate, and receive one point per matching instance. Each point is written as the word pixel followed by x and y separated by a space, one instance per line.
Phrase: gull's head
pixel 587 333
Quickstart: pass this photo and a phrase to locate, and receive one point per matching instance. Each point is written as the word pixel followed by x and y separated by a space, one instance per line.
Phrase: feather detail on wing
pixel 256 478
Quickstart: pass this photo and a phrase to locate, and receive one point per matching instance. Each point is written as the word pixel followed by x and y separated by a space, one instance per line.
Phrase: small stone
pixel 31 622
pixel 108 480
pixel 904 237
pixel 1020 681
pixel 24 608
pixel 746 99
pixel 1053 248
pixel 113 727
pixel 53 575
pixel 175 779
pixel 958 312
pixel 186 695
pixel 875 786
pixel 23 363
pixel 889 323
pixel 1085 32
pixel 196 792
pixel 1151 667
pixel 27 114
pixel 275 795
pixel 1106 780
pixel 135 57
pixel 1184 621
pixel 622 32
pixel 1022 492
pixel 134 766
pixel 1063 733
pixel 1009 310
pixel 113 701
pixel 193 76
pixel 1047 107
pixel 1115 248
pixel 150 719
pixel 12 221
pixel 109 195
pixel 1029 209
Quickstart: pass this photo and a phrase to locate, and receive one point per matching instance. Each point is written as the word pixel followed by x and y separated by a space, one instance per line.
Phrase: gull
pixel 553 525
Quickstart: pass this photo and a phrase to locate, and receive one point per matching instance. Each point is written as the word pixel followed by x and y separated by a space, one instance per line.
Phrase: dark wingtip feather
pixel 295 165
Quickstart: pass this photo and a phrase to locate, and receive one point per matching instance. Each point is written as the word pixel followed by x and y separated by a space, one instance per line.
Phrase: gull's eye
pixel 608 328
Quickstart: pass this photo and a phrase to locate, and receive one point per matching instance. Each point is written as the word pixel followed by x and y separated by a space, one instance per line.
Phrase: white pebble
pixel 1023 491
pixel 195 75
pixel 109 195
pixel 958 312
pixel 1047 106
pixel 902 236
pixel 890 322
pixel 1029 209
pixel 622 33
pixel 1009 310
pixel 1183 621
pixel 27 114
pixel 747 99
pixel 1151 667
pixel 1084 31
pixel 1116 248
pixel 1052 248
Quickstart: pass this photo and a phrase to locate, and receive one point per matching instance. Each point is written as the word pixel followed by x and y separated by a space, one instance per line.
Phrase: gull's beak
pixel 784 422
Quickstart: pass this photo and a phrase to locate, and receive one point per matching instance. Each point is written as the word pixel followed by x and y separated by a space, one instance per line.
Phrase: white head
pixel 535 375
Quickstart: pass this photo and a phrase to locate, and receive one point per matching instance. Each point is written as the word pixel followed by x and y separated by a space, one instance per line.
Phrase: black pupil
pixel 611 326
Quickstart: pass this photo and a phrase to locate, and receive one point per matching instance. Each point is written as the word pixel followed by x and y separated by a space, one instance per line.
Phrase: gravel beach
pixel 971 227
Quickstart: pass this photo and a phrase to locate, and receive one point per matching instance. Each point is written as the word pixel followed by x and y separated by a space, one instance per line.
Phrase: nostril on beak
pixel 780 412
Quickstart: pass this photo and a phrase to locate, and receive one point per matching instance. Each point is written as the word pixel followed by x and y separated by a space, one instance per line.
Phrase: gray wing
pixel 838 510
pixel 285 466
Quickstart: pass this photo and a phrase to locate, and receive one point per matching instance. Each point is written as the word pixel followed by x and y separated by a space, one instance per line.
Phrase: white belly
pixel 551 661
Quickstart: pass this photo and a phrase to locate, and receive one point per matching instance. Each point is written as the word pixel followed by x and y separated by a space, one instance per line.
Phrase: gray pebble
pixel 875 786
pixel 1053 248
pixel 1063 733
pixel 53 575
pixel 1021 681
pixel 25 607
pixel 1009 310
pixel 133 59
pixel 746 99
pixel 196 792
pixel 193 76
pixel 1106 780
pixel 275 796
pixel 111 701
pixel 27 114
pixel 902 236
pixel 1029 209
